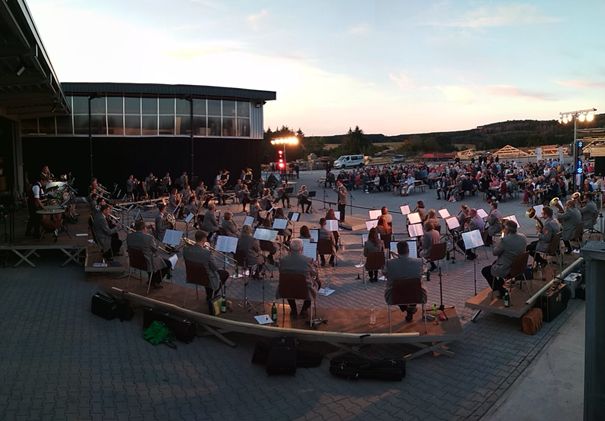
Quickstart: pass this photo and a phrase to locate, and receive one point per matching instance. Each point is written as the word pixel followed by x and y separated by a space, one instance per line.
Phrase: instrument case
pixel 103 306
pixel 554 301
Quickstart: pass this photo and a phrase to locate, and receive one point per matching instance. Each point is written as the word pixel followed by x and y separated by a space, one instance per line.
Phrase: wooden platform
pixel 353 223
pixel 519 300
pixel 344 326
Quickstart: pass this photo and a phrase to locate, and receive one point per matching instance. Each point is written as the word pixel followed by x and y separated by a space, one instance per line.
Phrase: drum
pixel 52 219
pixel 54 184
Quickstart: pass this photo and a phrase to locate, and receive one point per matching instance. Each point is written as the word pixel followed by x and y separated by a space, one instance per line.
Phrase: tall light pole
pixel 283 141
pixel 575 116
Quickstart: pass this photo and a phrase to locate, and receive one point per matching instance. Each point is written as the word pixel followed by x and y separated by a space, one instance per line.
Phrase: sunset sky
pixel 390 67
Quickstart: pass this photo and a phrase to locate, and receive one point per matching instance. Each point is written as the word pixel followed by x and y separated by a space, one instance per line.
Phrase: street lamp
pixel 283 141
pixel 575 116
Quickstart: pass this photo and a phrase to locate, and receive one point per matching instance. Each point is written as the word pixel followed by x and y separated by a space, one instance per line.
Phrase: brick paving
pixel 58 361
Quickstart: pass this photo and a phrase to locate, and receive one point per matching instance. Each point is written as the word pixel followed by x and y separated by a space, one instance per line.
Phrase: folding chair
pixel 407 291
pixel 195 273
pixel 293 286
pixel 137 260
pixel 374 261
pixel 517 269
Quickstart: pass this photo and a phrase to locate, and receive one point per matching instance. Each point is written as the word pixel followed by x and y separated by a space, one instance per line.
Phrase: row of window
pixel 126 116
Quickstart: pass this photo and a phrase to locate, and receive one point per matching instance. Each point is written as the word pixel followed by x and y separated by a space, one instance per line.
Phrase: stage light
pixel 582 117
pixel 590 116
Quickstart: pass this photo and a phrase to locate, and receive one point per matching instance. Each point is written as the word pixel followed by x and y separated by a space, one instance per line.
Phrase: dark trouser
pixel 497 284
pixel 342 208
pixel 386 239
pixel 159 274
pixel 284 200
pixel 373 275
pixel 567 245
pixel 223 275
pixel 304 202
pixel 409 308
pixel 33 223
pixel 108 254
pixel 116 244
pixel 292 304
pixel 469 253
pixel 531 249
pixel 323 259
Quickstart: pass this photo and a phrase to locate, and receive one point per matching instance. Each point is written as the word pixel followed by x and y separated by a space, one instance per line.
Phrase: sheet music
pixel 172 237
pixel 413 245
pixel 332 225
pixel 512 218
pixel 452 223
pixel 538 209
pixel 280 224
pixel 263 319
pixel 325 291
pixel 393 248
pixel 310 250
pixel 375 214
pixel 249 220
pixel 472 239
pixel 405 209
pixel 337 215
pixel 414 218
pixel 173 260
pixel 482 214
pixel 415 230
pixel 371 224
pixel 294 216
pixel 265 234
pixel 314 235
pixel 226 244
pixel 444 213
pixel 189 217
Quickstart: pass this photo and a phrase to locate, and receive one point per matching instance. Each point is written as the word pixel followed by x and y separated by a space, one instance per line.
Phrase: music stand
pixel 438 253
pixel 371 224
pixel 375 214
pixel 414 218
pixel 481 213
pixel 314 235
pixel 473 240
pixel 453 226
pixel 444 213
pixel 415 230
pixel 187 220
pixel 313 193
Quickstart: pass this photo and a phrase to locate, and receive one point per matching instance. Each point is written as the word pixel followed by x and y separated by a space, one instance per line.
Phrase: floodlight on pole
pixel 575 116
pixel 284 141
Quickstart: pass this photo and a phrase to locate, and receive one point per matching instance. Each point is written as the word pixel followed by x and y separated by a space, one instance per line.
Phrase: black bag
pixel 183 329
pixel 351 366
pixel 282 357
pixel 103 306
pixel 124 310
pixel 554 301
pixel 305 358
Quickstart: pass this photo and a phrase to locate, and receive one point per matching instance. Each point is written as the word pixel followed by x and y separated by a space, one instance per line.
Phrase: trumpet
pixel 556 203
pixel 531 213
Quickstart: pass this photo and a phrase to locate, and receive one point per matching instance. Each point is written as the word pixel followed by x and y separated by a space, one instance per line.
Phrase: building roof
pixel 156 89
pixel 28 83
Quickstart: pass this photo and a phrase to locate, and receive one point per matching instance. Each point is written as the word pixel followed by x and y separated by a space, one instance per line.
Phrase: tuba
pixel 531 213
pixel 556 203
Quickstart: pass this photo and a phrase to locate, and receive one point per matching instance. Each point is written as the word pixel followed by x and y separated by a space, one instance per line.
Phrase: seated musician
pixel 186 194
pixel 237 189
pixel 229 226
pixel 198 253
pixel 432 218
pixel 373 244
pixel 191 207
pixel 493 223
pixel 431 236
pixel 45 175
pixel 161 224
pixel 266 200
pixel 210 224
pixel 331 216
pixel 200 191
pixel 303 199
pixel 219 194
pixel 473 223
pixel 254 210
pixel 403 267
pixel 174 201
pixel 103 232
pixel 511 245
pixel 34 204
pixel 297 263
pixel 304 233
pixel 249 247
pixel 145 243
pixel 287 232
pixel 421 209
pixel 569 220
pixel 589 212
pixel 550 227
pixel 282 195
pixel 325 234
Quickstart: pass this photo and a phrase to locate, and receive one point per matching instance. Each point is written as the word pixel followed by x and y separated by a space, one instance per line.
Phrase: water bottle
pixel 372 316
pixel 506 299
pixel 274 312
pixel 223 305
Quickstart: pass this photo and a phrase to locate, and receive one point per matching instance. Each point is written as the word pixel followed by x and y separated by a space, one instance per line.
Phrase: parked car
pixel 398 158
pixel 349 161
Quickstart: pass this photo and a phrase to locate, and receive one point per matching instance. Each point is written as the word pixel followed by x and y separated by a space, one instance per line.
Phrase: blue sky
pixel 388 66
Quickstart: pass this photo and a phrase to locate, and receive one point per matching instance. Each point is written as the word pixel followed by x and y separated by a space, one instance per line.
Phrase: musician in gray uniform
pixel 431 236
pixel 228 226
pixel 145 243
pixel 161 225
pixel 570 219
pixel 403 267
pixel 248 248
pixel 589 212
pixel 210 225
pixel 103 232
pixel 199 254
pixel 550 229
pixel 474 223
pixel 297 263
pixel 493 223
pixel 511 245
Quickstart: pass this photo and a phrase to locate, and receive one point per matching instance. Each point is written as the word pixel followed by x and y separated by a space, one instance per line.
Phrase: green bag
pixel 158 333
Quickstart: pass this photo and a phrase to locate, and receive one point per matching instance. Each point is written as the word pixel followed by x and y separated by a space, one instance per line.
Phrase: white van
pixel 349 161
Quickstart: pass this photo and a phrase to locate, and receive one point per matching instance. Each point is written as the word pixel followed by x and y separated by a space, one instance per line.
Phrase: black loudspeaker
pixel 599 165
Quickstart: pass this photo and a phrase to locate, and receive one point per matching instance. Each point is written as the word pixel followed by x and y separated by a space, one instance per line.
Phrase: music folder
pixel 265 234
pixel 414 218
pixel 310 250
pixel 452 223
pixel 405 209
pixel 375 214
pixel 512 218
pixel 332 225
pixel 226 244
pixel 413 245
pixel 444 213
pixel 172 238
pixel 337 215
pixel 314 235
pixel 280 224
pixel 173 260
pixel 294 216
pixel 189 218
pixel 538 209
pixel 472 239
pixel 249 220
pixel 371 224
pixel 482 214
pixel 415 230
pixel 393 248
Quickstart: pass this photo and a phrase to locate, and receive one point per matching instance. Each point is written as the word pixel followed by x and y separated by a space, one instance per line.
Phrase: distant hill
pixel 518 133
